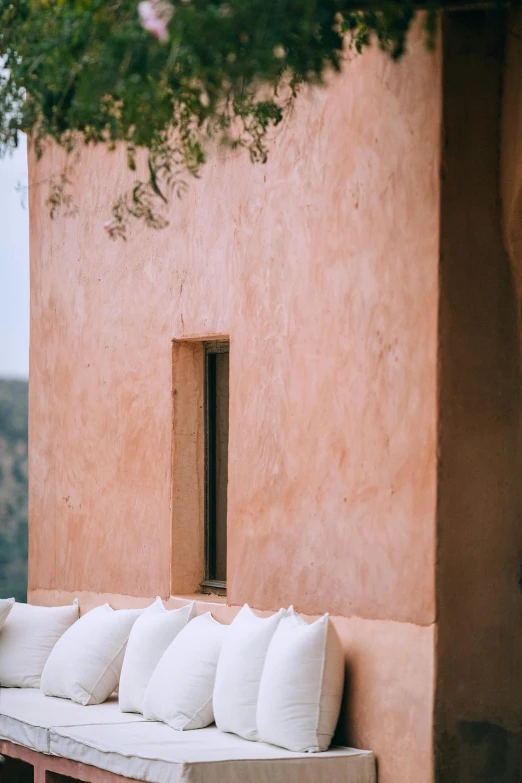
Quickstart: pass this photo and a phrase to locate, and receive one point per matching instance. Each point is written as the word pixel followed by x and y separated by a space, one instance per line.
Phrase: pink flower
pixel 155 16
pixel 112 227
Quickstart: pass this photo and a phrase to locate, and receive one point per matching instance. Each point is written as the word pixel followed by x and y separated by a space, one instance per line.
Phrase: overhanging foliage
pixel 87 72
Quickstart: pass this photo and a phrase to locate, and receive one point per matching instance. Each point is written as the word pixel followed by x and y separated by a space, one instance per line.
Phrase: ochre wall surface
pixel 322 269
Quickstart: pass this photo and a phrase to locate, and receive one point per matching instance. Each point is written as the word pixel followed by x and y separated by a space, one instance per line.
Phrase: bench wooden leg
pixel 39 774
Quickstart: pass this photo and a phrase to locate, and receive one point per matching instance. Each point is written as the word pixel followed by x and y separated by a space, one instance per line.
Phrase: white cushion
pixel 302 685
pixel 151 634
pixel 86 663
pixel 239 672
pixel 180 690
pixel 6 604
pixel 26 716
pixel 26 640
pixel 155 753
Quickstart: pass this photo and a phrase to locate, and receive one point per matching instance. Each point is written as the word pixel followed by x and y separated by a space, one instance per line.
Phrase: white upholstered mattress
pixel 128 745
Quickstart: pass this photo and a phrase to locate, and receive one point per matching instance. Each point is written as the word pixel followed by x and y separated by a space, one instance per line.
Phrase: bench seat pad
pixel 155 753
pixel 26 716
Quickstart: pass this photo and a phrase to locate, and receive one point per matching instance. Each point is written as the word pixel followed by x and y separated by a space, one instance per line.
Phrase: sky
pixel 14 267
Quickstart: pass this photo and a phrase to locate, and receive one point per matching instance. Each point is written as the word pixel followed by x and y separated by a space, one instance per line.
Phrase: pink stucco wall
pixel 322 268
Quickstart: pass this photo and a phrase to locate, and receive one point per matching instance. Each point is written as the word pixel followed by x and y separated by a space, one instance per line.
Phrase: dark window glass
pixel 216 469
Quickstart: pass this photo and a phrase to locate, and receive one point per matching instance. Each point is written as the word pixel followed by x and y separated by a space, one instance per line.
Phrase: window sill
pixel 214 587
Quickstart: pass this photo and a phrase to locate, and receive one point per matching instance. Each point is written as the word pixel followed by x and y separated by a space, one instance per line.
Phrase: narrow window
pixel 216 464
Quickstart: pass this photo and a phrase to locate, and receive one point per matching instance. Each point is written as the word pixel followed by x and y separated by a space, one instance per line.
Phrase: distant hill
pixel 13 489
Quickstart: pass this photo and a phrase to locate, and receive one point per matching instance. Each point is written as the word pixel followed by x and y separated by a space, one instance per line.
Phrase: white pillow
pixel 86 663
pixel 6 604
pixel 26 640
pixel 239 672
pixel 301 686
pixel 180 690
pixel 151 634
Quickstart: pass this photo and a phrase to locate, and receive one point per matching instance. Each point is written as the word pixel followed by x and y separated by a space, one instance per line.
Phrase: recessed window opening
pixel 216 464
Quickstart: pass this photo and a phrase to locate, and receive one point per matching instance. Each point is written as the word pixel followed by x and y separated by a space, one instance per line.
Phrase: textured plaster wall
pixel 479 663
pixel 322 268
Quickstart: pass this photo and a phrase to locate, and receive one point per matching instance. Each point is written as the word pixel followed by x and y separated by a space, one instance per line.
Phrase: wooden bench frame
pixel 47 769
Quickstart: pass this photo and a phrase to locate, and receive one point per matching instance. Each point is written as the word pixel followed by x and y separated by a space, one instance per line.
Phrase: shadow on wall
pixel 13 489
pixel 15 771
pixel 478 706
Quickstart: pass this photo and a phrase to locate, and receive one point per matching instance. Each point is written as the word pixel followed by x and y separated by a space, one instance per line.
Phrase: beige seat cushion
pixel 26 716
pixel 156 753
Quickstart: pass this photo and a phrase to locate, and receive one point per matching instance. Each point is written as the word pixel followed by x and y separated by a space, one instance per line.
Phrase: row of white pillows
pixel 276 679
